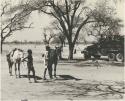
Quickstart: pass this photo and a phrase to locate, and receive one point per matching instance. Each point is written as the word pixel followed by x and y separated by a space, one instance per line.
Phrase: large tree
pixel 71 16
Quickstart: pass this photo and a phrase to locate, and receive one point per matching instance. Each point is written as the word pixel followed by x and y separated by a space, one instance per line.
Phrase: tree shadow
pixel 91 90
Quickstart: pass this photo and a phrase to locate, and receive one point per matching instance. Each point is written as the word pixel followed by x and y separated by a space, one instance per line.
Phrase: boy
pixel 30 64
pixel 45 57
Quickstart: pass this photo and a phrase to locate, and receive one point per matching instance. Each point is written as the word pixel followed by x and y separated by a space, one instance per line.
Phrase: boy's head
pixel 29 51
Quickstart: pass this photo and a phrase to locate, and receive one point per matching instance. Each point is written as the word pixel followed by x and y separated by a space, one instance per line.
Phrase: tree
pixel 106 23
pixel 48 35
pixel 68 14
pixel 59 32
pixel 12 19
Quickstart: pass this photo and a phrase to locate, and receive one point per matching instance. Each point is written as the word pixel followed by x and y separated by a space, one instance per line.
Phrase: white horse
pixel 15 57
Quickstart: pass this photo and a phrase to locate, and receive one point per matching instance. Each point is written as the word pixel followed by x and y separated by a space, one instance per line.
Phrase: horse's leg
pixel 45 74
pixel 15 70
pixel 10 68
pixel 19 68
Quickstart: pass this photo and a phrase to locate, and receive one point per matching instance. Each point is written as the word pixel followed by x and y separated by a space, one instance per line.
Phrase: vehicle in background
pixel 111 46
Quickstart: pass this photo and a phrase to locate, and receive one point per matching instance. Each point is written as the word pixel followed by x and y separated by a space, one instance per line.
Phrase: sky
pixel 41 21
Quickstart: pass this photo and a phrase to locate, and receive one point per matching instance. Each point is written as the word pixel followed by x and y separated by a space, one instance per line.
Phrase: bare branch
pixel 3 9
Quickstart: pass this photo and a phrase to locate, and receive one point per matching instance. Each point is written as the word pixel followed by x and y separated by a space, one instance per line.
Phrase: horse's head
pixel 8 57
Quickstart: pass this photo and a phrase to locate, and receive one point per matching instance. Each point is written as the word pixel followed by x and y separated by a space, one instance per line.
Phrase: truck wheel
pixel 103 52
pixel 119 57
pixel 111 56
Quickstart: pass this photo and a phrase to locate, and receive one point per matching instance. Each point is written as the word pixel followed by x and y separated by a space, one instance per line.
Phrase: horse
pixel 14 57
pixel 52 60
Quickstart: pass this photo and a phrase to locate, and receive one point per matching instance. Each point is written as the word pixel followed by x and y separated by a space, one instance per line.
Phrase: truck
pixel 111 46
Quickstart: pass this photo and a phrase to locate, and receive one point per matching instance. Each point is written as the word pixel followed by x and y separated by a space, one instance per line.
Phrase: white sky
pixel 40 21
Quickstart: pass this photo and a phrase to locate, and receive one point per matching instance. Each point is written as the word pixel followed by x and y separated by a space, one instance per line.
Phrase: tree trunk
pixel 71 48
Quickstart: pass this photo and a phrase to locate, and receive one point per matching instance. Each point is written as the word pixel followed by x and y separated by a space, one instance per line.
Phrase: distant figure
pixel 29 60
pixel 15 57
pixel 96 63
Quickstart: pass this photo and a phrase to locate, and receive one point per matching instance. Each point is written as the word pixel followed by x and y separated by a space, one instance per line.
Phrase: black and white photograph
pixel 62 50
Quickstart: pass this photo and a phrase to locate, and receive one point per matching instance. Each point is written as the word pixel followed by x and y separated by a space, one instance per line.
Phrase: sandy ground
pixel 76 80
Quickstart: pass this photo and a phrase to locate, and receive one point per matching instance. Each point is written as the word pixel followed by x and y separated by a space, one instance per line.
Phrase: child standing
pixel 30 64
pixel 45 58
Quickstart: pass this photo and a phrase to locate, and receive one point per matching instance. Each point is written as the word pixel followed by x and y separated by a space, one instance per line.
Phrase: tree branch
pixel 78 30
